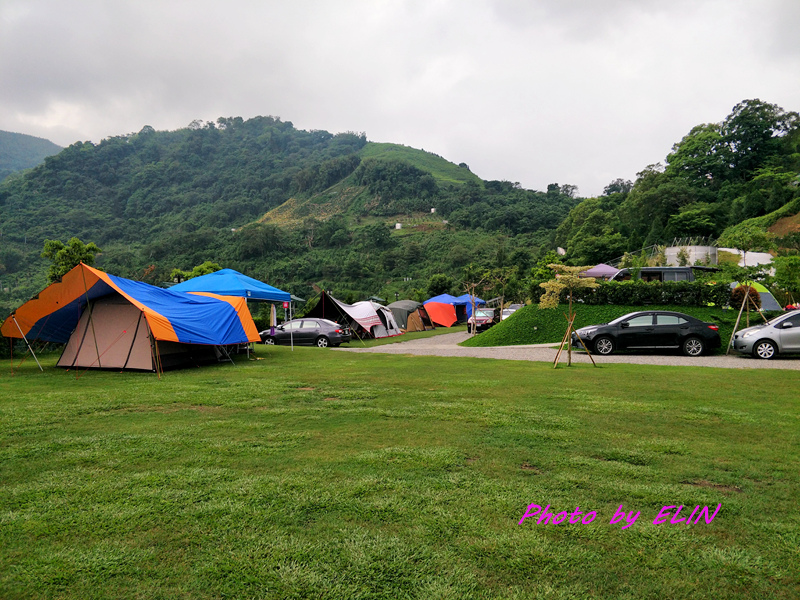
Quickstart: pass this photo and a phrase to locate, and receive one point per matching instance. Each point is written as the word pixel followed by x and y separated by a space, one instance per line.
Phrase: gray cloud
pixel 575 92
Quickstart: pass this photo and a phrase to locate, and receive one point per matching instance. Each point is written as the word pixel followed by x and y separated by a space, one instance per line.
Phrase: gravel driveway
pixel 447 345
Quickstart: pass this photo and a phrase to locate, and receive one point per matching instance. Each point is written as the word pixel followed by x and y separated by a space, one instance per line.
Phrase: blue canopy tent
pixel 228 282
pixel 465 301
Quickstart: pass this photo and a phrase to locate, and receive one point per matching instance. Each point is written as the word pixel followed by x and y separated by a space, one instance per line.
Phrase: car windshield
pixel 774 320
pixel 485 313
pixel 327 322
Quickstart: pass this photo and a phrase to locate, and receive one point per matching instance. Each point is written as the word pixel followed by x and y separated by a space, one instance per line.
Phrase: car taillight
pixel 714 327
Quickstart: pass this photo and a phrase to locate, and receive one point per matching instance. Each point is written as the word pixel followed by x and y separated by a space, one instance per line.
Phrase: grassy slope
pixel 442 170
pixel 343 198
pixel 770 220
pixel 323 474
pixel 530 325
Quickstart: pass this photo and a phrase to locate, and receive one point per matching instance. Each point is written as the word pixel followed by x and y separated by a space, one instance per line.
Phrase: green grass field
pixel 324 474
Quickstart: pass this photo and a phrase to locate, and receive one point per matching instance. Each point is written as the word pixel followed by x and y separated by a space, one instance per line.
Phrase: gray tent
pixel 768 301
pixel 410 315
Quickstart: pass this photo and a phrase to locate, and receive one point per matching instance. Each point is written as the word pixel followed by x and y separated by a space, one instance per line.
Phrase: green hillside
pixel 19 152
pixel 372 188
pixel 305 210
pixel 442 170
pixel 296 208
pixel 717 176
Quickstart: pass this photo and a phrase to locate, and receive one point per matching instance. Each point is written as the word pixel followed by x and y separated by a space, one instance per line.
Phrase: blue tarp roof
pixel 228 282
pixel 468 299
pixel 444 299
pixel 463 300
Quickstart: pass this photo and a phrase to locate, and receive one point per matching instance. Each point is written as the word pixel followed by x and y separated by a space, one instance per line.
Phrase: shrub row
pixel 674 293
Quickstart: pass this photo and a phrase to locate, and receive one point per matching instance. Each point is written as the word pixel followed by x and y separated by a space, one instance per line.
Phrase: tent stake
pixel 26 342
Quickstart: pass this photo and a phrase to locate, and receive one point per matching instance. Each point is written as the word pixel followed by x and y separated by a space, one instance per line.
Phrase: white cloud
pixel 544 91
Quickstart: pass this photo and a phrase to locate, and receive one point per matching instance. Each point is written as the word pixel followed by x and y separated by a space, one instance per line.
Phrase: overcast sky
pixel 574 92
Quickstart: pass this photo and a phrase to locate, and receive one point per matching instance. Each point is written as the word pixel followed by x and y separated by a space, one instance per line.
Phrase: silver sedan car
pixel 780 335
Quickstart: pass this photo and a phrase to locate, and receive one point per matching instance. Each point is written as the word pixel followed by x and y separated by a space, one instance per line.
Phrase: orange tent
pixel 441 314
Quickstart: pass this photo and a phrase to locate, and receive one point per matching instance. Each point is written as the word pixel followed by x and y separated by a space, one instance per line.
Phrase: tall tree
pixel 64 257
pixel 752 133
pixel 698 157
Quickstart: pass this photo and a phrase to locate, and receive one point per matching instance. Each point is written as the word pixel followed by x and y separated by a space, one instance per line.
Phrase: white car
pixel 780 335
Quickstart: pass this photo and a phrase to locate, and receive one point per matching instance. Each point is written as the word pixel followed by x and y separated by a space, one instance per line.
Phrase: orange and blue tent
pixel 112 322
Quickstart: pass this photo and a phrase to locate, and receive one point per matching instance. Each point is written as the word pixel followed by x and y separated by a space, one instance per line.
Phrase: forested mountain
pixel 296 208
pixel 309 209
pixel 718 175
pixel 19 152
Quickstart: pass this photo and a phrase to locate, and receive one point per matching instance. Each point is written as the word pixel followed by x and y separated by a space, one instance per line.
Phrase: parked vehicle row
pixel 673 330
pixel 638 330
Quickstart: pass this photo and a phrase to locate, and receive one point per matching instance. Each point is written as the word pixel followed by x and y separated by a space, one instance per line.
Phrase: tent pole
pixel 28 344
pixel 91 320
pixel 225 352
pixel 757 309
pixel 738 319
pixel 159 367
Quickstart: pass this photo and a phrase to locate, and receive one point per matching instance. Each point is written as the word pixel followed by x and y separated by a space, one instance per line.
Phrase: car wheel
pixel 270 341
pixel 693 346
pixel 322 342
pixel 604 345
pixel 764 349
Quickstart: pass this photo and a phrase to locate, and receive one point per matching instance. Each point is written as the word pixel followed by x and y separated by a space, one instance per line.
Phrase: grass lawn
pixel 324 474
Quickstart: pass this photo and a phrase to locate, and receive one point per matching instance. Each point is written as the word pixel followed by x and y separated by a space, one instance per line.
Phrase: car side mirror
pixel 787 325
pixel 624 325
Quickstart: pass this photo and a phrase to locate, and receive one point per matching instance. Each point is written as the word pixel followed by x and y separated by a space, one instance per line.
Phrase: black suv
pixel 315 332
pixel 650 329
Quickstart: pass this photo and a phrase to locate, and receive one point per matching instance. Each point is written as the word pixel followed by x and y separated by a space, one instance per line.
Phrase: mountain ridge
pixel 20 151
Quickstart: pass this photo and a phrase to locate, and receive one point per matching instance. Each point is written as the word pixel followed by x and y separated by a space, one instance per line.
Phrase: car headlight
pixel 749 334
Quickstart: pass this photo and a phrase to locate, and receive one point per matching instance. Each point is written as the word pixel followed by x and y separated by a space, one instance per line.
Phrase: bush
pixel 737 296
pixel 643 293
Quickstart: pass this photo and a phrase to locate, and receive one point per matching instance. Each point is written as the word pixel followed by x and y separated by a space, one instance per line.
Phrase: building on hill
pixel 662 273
pixel 691 255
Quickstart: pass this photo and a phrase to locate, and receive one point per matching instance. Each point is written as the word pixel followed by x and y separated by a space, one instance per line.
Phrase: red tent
pixel 441 314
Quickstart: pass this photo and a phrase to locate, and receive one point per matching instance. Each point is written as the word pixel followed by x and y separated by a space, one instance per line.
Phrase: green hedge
pixel 532 325
pixel 672 293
